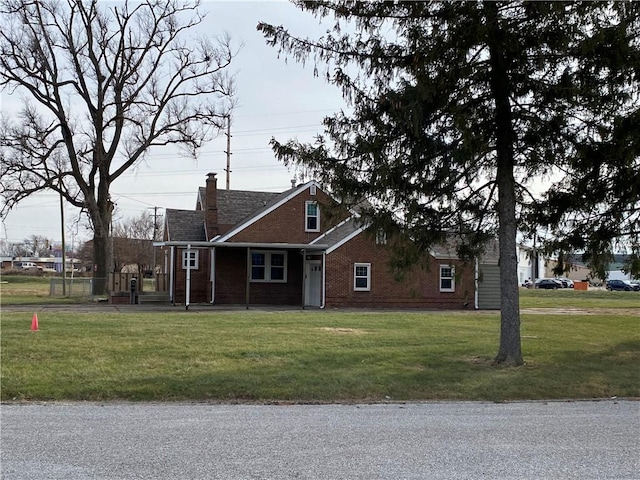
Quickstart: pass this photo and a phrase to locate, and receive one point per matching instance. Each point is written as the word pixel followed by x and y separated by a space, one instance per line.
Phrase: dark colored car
pixel 548 283
pixel 621 285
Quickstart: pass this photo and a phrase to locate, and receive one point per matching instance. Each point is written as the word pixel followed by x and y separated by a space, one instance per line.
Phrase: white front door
pixel 313 284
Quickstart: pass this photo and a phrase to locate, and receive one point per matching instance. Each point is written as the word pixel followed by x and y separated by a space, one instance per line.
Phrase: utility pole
pixel 64 257
pixel 155 236
pixel 228 150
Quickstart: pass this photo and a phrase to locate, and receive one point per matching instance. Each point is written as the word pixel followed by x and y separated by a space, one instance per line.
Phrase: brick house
pixel 258 248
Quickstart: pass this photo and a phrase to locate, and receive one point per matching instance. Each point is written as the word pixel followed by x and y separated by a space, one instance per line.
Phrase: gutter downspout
pixel 323 298
pixel 476 299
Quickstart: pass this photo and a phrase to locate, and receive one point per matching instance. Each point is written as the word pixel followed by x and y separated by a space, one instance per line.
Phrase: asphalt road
pixel 532 440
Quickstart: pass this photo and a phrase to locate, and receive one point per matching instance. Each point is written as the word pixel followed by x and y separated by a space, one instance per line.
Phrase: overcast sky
pixel 276 98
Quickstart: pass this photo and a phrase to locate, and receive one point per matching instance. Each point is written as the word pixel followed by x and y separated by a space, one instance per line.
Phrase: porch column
pixel 213 275
pixel 172 262
pixel 304 276
pixel 187 293
pixel 248 281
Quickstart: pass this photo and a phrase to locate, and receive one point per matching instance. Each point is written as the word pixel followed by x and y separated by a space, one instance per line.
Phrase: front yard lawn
pixel 319 356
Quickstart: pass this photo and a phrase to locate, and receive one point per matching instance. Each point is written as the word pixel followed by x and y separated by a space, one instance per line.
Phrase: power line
pixel 289 113
pixel 271 129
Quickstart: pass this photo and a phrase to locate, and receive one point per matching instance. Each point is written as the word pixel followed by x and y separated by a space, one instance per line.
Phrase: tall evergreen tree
pixel 463 113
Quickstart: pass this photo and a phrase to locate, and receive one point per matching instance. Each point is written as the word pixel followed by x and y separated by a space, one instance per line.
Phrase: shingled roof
pixel 237 205
pixel 185 225
pixel 340 233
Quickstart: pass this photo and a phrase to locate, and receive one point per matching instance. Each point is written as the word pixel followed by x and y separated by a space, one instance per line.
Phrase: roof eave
pixel 262 245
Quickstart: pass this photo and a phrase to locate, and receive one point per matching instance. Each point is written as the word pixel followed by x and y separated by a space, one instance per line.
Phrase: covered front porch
pixel 234 273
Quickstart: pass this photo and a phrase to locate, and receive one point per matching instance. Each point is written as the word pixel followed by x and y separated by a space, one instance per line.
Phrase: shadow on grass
pixel 353 377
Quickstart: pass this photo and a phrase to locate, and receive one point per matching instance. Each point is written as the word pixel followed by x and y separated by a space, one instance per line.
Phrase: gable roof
pixel 185 225
pixel 340 234
pixel 236 205
pixel 267 207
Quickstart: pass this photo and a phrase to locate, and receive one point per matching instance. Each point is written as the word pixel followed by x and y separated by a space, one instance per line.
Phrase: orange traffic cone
pixel 34 323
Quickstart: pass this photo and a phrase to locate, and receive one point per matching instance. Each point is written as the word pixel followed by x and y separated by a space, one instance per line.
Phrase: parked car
pixel 30 266
pixel 566 282
pixel 621 286
pixel 548 283
pixel 634 284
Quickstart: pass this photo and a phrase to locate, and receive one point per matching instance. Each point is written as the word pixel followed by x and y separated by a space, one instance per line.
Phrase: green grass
pixel 313 357
pixel 570 298
pixel 34 290
pixel 29 290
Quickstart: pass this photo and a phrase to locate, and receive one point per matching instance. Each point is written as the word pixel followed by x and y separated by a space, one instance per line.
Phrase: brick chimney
pixel 211 206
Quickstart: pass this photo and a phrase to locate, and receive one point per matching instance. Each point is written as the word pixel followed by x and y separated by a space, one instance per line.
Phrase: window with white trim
pixel 447 278
pixel 267 266
pixel 311 217
pixel 362 277
pixel 190 257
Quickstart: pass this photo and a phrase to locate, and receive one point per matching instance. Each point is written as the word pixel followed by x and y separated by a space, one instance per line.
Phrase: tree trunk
pixel 510 351
pixel 101 263
pixel 101 216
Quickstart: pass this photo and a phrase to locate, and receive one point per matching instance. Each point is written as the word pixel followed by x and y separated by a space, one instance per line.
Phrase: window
pixel 312 217
pixel 190 257
pixel 258 266
pixel 447 280
pixel 381 237
pixel 277 267
pixel 268 266
pixel 362 277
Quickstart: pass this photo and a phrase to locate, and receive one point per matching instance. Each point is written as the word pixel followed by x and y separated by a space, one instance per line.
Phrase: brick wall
pixel 286 224
pixel 231 274
pixel 200 284
pixel 211 207
pixel 420 287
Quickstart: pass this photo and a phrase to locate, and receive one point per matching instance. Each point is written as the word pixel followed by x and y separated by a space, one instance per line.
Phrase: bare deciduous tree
pixel 102 85
pixel 133 242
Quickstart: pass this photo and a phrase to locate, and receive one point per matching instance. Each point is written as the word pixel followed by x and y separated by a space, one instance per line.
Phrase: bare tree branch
pixel 108 84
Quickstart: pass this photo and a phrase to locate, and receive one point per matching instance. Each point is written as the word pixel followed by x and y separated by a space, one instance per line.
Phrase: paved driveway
pixel 539 440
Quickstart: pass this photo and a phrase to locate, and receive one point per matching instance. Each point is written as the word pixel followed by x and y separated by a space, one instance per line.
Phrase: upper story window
pixel 268 266
pixel 190 259
pixel 312 217
pixel 362 277
pixel 447 278
pixel 381 237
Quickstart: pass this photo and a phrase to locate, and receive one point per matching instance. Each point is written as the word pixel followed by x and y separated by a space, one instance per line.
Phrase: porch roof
pixel 270 246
